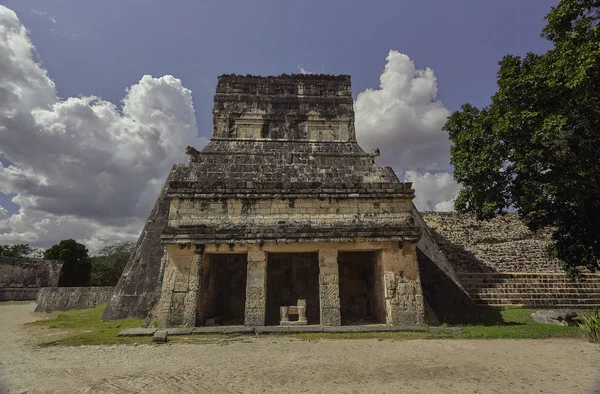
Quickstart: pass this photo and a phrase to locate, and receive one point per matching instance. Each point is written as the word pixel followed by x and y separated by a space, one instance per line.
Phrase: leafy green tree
pixel 108 265
pixel 535 147
pixel 77 266
pixel 18 250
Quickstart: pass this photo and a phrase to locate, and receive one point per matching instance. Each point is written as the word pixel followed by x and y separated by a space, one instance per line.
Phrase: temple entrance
pixel 223 289
pixel 361 298
pixel 292 276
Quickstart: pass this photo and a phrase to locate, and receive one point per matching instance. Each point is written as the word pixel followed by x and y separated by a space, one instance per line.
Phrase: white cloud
pixel 43 13
pixel 82 167
pixel 433 192
pixel 404 119
pixel 310 70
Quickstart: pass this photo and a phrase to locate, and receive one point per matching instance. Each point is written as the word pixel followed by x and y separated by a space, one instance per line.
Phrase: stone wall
pixel 502 244
pixel 28 273
pixel 445 298
pixel 65 298
pixel 18 294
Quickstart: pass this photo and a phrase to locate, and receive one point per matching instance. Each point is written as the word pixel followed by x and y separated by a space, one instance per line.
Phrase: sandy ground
pixel 284 364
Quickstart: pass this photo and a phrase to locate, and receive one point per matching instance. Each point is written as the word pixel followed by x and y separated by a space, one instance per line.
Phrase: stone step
pixel 541 305
pixel 541 288
pixel 527 286
pixel 557 281
pixel 520 275
pixel 551 302
pixel 533 278
pixel 547 303
pixel 535 295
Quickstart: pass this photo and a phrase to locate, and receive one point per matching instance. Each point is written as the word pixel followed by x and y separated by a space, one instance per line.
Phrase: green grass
pixel 495 323
pixel 84 327
pixel 515 323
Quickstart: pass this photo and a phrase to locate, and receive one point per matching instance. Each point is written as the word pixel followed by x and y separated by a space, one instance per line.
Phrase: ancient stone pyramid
pixel 283 179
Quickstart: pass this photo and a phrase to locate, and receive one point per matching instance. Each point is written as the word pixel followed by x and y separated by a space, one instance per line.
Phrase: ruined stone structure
pixel 283 205
pixel 501 244
pixel 21 278
pixel 500 262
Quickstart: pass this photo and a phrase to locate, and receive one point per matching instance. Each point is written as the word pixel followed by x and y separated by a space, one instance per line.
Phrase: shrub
pixel 590 325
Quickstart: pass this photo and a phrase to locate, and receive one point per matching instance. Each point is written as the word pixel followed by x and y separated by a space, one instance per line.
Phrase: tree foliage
pixel 108 265
pixel 77 266
pixel 19 250
pixel 535 147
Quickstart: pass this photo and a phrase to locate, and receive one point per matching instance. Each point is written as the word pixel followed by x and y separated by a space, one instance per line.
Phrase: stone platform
pixel 136 332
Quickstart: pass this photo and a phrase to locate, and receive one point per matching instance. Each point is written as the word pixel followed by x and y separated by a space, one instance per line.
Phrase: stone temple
pixel 283 208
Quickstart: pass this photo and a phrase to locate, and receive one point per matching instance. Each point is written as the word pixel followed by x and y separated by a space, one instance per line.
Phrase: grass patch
pixel 84 327
pixel 495 323
pixel 515 323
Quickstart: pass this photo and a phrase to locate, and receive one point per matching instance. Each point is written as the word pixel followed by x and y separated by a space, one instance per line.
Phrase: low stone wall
pixel 502 244
pixel 18 294
pixel 18 272
pixel 536 290
pixel 65 298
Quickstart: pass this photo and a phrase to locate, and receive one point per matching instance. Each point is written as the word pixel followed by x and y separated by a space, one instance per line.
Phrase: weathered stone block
pixel 160 336
pixel 330 317
pixel 180 331
pixel 555 317
pixel 256 256
pixel 254 317
pixel 137 332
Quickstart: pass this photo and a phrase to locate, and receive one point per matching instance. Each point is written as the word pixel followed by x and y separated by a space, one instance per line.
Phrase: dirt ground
pixel 285 364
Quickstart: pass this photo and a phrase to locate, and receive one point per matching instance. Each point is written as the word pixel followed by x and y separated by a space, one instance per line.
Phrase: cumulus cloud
pixel 404 119
pixel 310 70
pixel 83 167
pixel 433 192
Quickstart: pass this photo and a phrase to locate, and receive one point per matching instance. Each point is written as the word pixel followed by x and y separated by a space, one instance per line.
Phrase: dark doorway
pixel 223 288
pixel 361 301
pixel 291 276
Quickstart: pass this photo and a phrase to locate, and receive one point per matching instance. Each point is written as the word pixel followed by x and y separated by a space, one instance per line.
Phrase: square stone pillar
pixel 403 296
pixel 190 304
pixel 256 289
pixel 178 303
pixel 329 287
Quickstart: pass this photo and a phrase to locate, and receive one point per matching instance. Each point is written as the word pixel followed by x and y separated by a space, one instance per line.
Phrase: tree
pixel 76 268
pixel 18 250
pixel 108 266
pixel 534 148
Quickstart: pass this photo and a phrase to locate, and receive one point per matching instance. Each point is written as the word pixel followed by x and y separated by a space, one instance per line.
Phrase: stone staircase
pixel 535 290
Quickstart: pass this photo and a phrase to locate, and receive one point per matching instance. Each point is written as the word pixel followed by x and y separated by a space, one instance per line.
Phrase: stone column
pixel 256 289
pixel 329 287
pixel 402 287
pixel 190 304
pixel 178 303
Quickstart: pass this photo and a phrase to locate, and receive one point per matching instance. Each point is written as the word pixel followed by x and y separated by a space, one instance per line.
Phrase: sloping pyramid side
pixel 139 288
pixel 446 300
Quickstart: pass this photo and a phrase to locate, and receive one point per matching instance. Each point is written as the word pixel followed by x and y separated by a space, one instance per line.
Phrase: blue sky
pixel 103 48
